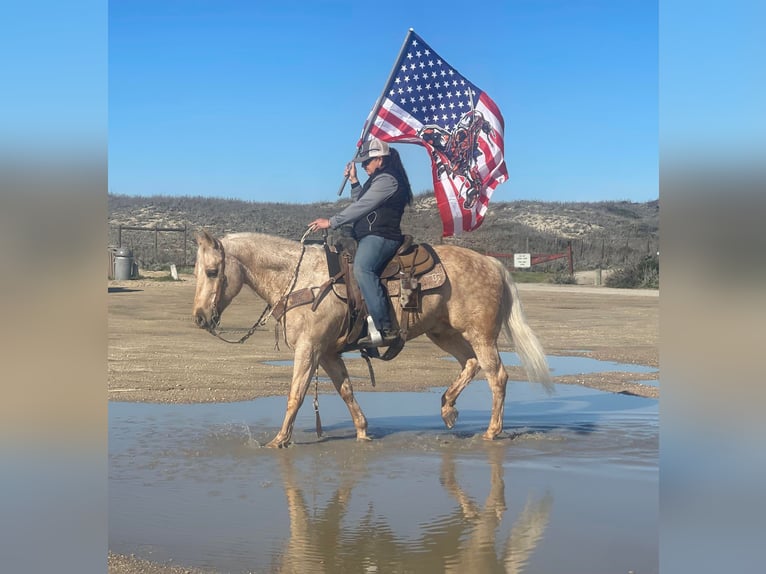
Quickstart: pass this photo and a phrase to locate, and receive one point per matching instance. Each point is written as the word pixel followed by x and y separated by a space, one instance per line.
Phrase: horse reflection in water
pixel 323 541
pixel 464 317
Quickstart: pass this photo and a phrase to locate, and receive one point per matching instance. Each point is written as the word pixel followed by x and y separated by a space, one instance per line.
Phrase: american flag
pixel 428 102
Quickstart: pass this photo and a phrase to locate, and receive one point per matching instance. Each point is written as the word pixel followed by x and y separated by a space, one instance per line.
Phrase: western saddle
pixel 413 269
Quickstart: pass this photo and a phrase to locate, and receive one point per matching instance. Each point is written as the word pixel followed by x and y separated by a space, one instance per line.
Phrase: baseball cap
pixel 371 148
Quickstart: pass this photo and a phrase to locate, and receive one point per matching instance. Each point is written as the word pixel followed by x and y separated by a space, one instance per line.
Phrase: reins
pixel 262 320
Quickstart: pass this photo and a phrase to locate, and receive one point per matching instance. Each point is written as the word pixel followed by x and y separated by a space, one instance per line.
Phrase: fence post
pixel 569 253
pixel 184 245
pixel 119 235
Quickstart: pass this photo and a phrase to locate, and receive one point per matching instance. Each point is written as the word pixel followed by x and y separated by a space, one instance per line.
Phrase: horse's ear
pixel 204 237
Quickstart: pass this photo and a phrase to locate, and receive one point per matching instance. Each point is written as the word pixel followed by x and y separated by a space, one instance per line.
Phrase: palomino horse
pixel 464 317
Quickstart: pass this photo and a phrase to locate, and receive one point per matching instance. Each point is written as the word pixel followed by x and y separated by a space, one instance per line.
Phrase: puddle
pixel 559 365
pixel 562 365
pixel 571 485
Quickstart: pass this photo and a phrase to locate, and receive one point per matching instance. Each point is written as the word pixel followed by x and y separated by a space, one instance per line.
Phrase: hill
pixel 604 234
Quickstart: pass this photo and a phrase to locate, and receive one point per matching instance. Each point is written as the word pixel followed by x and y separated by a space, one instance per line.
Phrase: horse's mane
pixel 251 237
pixel 262 251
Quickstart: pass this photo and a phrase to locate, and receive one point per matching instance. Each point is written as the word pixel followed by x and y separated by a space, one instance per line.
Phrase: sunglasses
pixel 366 162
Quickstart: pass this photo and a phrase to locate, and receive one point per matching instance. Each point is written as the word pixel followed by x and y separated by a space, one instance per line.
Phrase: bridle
pixel 267 311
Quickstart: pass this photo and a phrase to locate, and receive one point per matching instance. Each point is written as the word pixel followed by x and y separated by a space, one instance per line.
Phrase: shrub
pixel 563 278
pixel 644 275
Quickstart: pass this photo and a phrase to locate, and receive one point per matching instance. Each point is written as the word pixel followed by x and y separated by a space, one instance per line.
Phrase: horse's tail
pixel 518 331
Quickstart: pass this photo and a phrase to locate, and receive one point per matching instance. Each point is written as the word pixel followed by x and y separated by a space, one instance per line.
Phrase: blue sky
pixel 265 101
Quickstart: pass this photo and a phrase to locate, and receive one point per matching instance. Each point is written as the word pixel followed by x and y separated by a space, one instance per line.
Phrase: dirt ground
pixel 157 354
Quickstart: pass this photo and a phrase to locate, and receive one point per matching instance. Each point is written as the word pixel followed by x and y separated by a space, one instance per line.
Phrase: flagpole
pixel 379 101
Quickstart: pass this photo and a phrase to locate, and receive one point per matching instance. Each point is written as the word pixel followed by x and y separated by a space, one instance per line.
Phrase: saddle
pixel 414 269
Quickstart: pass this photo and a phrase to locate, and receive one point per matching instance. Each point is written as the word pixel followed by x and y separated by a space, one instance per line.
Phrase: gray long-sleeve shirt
pixel 383 186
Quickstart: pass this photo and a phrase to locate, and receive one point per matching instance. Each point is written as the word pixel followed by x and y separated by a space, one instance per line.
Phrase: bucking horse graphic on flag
pixel 455 153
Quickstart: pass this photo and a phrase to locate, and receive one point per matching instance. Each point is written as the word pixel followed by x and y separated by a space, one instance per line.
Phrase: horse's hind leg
pixel 336 369
pixel 497 377
pixel 454 343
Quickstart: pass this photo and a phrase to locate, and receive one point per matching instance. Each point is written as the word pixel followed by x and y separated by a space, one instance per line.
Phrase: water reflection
pixel 189 484
pixel 323 539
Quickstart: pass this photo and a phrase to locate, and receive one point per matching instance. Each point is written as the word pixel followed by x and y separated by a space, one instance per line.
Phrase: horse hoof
pixel 277 444
pixel 449 416
pixel 363 438
pixel 487 436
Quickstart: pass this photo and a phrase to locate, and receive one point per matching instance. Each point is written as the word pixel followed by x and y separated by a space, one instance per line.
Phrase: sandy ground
pixel 157 354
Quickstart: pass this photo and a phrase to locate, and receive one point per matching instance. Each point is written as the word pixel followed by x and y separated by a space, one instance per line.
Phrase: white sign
pixel 522 260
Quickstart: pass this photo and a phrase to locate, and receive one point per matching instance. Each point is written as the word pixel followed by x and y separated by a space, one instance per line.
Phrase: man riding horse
pixel 375 215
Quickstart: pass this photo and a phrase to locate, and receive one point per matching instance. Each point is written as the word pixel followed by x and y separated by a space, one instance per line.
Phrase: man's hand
pixel 319 223
pixel 350 173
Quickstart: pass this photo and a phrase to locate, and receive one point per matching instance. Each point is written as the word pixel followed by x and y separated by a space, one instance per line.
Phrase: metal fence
pixel 154 246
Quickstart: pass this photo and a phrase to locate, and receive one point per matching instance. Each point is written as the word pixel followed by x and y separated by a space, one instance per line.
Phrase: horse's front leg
pixel 336 369
pixel 304 365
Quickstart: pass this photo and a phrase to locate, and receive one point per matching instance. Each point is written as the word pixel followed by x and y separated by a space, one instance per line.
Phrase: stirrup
pixel 375 338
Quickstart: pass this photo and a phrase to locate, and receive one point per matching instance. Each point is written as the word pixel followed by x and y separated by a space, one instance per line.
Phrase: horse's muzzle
pixel 204 322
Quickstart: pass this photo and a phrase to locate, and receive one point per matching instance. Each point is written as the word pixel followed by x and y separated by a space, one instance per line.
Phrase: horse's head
pixel 214 292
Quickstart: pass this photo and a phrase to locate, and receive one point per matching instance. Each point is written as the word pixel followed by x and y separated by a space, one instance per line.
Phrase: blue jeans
pixel 371 257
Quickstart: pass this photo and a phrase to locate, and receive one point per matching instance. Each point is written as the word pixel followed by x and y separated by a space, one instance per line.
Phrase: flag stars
pixel 429 88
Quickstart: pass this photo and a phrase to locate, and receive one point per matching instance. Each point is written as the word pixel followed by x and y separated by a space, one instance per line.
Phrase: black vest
pixel 386 219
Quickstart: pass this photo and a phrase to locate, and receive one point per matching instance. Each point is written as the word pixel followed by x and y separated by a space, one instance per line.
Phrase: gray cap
pixel 371 148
